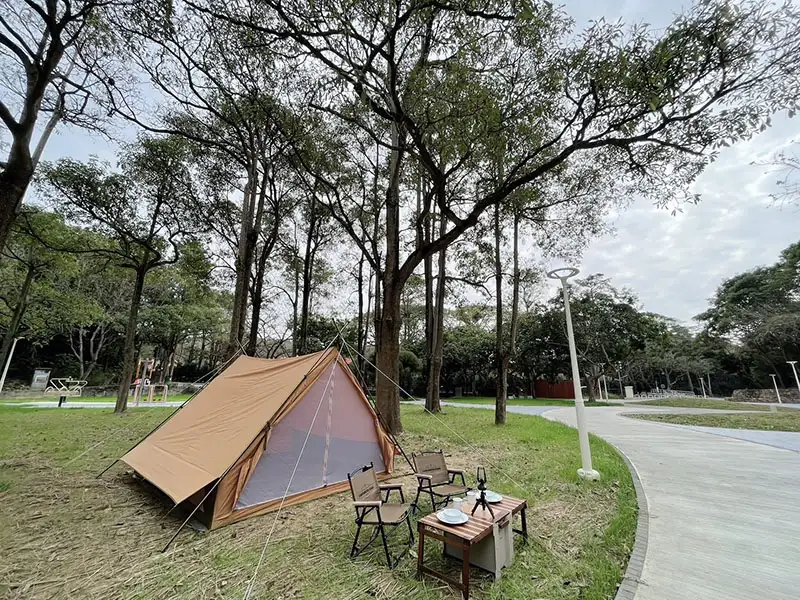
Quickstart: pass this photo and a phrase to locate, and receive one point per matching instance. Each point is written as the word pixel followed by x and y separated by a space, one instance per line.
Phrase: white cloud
pixel 675 263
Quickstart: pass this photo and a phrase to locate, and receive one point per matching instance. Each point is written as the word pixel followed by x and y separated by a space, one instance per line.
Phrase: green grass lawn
pixel 170 398
pixel 65 534
pixel 523 401
pixel 783 420
pixel 699 403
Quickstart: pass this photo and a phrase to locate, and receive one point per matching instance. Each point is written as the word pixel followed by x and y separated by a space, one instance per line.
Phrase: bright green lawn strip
pixel 581 532
pixel 788 420
pixel 111 399
pixel 523 401
pixel 699 403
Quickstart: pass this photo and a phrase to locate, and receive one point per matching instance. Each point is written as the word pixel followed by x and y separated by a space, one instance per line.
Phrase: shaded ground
pixel 65 534
pixel 783 420
pixel 699 403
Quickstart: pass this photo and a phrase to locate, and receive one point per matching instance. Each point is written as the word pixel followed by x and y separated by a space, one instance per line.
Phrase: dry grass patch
pixel 65 534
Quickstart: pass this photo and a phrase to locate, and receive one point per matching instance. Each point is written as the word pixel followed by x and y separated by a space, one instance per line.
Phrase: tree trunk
pixel 387 398
pixel 129 353
pixel 16 318
pixel 501 360
pixel 590 391
pixel 258 288
pixel 360 325
pixel 14 180
pixel 308 271
pixel 242 265
pixel 432 400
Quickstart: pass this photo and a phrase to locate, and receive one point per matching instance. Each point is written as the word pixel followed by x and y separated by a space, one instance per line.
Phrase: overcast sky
pixel 673 263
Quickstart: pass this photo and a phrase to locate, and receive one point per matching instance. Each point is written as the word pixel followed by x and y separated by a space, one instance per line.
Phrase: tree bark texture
pixel 387 397
pixel 16 318
pixel 129 353
pixel 432 400
pixel 308 271
pixel 501 361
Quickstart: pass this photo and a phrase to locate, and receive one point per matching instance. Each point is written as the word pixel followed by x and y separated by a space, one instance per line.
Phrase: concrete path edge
pixel 633 573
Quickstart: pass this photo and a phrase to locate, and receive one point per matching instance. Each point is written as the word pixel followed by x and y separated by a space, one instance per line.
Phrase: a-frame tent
pixel 237 442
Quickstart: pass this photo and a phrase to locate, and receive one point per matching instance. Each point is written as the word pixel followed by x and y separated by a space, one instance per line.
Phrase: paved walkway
pixel 788 440
pixel 723 511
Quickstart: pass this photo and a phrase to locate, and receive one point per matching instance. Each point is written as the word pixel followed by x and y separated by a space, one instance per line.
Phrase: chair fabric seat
pixel 449 490
pixel 390 513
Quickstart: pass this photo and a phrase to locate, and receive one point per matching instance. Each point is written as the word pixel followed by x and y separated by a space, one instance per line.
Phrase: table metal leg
pixel 524 525
pixel 420 549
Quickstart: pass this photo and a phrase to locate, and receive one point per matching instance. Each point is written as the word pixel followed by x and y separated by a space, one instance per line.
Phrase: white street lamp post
pixel 586 471
pixel 8 363
pixel 702 386
pixel 775 383
pixel 794 370
pixel 605 386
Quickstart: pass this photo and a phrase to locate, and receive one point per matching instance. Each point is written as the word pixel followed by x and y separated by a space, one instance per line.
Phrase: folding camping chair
pixel 435 479
pixel 372 509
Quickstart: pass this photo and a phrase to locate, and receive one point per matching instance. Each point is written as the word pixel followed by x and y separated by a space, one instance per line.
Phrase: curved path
pixel 723 512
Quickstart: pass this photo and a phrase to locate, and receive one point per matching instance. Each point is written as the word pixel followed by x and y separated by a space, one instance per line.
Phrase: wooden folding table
pixel 478 528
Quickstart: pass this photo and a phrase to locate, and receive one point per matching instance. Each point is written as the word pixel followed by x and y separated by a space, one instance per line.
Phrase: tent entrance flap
pixel 341 430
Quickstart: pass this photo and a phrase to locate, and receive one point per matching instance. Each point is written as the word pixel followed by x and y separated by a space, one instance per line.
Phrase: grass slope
pixel 699 403
pixel 65 534
pixel 783 420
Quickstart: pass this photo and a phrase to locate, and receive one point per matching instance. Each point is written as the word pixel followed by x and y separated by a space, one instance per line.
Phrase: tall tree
pixel 141 212
pixel 33 274
pixel 51 55
pixel 449 81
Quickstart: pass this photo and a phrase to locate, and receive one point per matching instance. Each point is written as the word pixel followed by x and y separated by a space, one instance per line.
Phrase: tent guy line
pixel 213 373
pixel 363 383
pixel 442 421
pixel 219 479
pixel 249 589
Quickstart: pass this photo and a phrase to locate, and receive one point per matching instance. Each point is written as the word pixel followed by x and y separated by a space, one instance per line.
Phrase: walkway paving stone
pixel 723 511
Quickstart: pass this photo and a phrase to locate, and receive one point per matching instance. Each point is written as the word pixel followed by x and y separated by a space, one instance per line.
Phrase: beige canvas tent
pixel 237 442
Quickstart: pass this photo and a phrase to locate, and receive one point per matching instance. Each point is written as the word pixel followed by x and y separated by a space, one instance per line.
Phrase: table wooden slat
pixel 480 523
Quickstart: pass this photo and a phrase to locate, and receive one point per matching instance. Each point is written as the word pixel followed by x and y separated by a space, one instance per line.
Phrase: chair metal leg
pixel 355 541
pixel 415 504
pixel 356 551
pixel 385 547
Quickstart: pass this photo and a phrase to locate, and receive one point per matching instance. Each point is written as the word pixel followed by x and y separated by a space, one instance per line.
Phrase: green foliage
pixel 757 315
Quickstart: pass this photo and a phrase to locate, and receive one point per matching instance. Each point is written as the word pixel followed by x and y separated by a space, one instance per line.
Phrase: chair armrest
pixel 423 476
pixel 458 471
pixel 360 503
pixel 388 488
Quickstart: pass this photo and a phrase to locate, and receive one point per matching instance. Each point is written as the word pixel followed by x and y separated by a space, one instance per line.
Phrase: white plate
pixel 493 497
pixel 458 521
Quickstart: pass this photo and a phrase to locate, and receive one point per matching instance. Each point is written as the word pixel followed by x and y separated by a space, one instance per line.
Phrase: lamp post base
pixel 590 475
